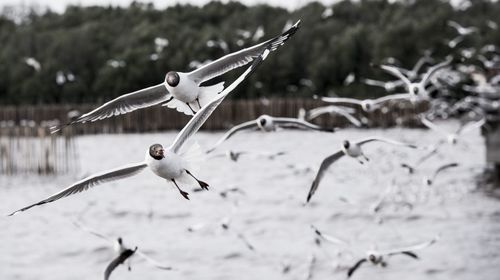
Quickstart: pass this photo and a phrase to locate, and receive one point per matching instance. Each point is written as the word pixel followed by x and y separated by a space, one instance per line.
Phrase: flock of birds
pixel 184 92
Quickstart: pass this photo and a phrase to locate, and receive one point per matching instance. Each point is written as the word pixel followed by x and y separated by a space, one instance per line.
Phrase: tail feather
pixel 209 93
pixel 180 106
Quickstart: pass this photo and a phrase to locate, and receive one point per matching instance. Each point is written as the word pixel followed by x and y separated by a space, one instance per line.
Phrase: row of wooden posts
pixel 26 145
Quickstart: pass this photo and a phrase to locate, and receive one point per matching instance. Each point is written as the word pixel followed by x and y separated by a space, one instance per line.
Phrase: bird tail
pixel 179 106
pixel 209 93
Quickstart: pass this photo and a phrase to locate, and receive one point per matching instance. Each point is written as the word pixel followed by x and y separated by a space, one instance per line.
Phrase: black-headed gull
pixel 267 123
pixel 351 149
pixel 168 163
pixel 122 253
pixel 452 137
pixel 183 90
pixel 416 89
pixel 376 257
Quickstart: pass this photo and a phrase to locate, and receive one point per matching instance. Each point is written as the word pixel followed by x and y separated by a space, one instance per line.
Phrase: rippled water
pixel 147 212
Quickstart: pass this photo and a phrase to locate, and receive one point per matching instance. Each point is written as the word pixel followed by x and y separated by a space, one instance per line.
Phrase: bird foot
pixel 184 194
pixel 203 185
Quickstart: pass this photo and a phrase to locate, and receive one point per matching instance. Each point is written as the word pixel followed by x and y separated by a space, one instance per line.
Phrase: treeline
pixel 92 54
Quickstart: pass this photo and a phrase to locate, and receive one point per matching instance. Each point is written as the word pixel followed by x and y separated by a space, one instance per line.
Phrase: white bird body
pixel 266 123
pixel 353 150
pixel 170 167
pixel 186 91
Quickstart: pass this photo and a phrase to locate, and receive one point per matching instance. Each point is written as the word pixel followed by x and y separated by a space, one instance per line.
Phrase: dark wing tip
pixel 410 254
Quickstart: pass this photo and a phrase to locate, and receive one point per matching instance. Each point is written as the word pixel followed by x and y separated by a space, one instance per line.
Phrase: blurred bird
pixel 182 90
pixel 122 253
pixel 267 123
pixel 452 137
pixel 31 61
pixel 417 90
pixel 353 150
pixel 333 110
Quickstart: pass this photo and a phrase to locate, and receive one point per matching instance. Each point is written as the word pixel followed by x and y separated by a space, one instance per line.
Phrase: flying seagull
pixel 452 137
pixel 267 123
pixel 416 89
pixel 352 149
pixel 376 257
pixel 122 253
pixel 183 91
pixel 168 163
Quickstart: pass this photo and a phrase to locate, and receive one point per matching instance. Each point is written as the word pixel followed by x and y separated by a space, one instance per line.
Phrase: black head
pixel 346 144
pixel 172 78
pixel 372 258
pixel 415 90
pixel 120 241
pixel 156 151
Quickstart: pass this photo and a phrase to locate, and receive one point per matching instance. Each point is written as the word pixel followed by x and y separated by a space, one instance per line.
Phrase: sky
pixel 59 5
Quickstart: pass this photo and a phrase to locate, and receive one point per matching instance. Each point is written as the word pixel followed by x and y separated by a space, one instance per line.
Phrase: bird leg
pixel 198 101
pixel 183 193
pixel 202 184
pixel 193 111
pixel 365 157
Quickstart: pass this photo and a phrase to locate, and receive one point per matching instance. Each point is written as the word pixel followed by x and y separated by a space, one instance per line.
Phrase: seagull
pixel 452 137
pixel 463 31
pixel 332 110
pixel 267 123
pixel 122 253
pixel 352 149
pixel 413 73
pixel 416 89
pixel 168 163
pixel 368 105
pixel 182 90
pixel 376 257
pixel 430 180
pixel 31 61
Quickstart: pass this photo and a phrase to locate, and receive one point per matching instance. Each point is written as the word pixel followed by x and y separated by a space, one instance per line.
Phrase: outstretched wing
pixel 471 126
pixel 117 261
pixel 91 181
pixel 240 58
pixel 391 97
pixel 152 261
pixel 355 267
pixel 393 70
pixel 204 113
pixel 432 126
pixel 92 231
pixel 435 68
pixel 321 172
pixel 329 238
pixel 124 104
pixel 442 168
pixel 341 100
pixel 299 123
pixel 386 140
pixel 228 134
pixel 416 247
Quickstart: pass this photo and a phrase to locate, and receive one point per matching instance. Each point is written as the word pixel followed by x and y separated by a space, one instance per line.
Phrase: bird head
pixel 346 144
pixel 156 151
pixel 172 78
